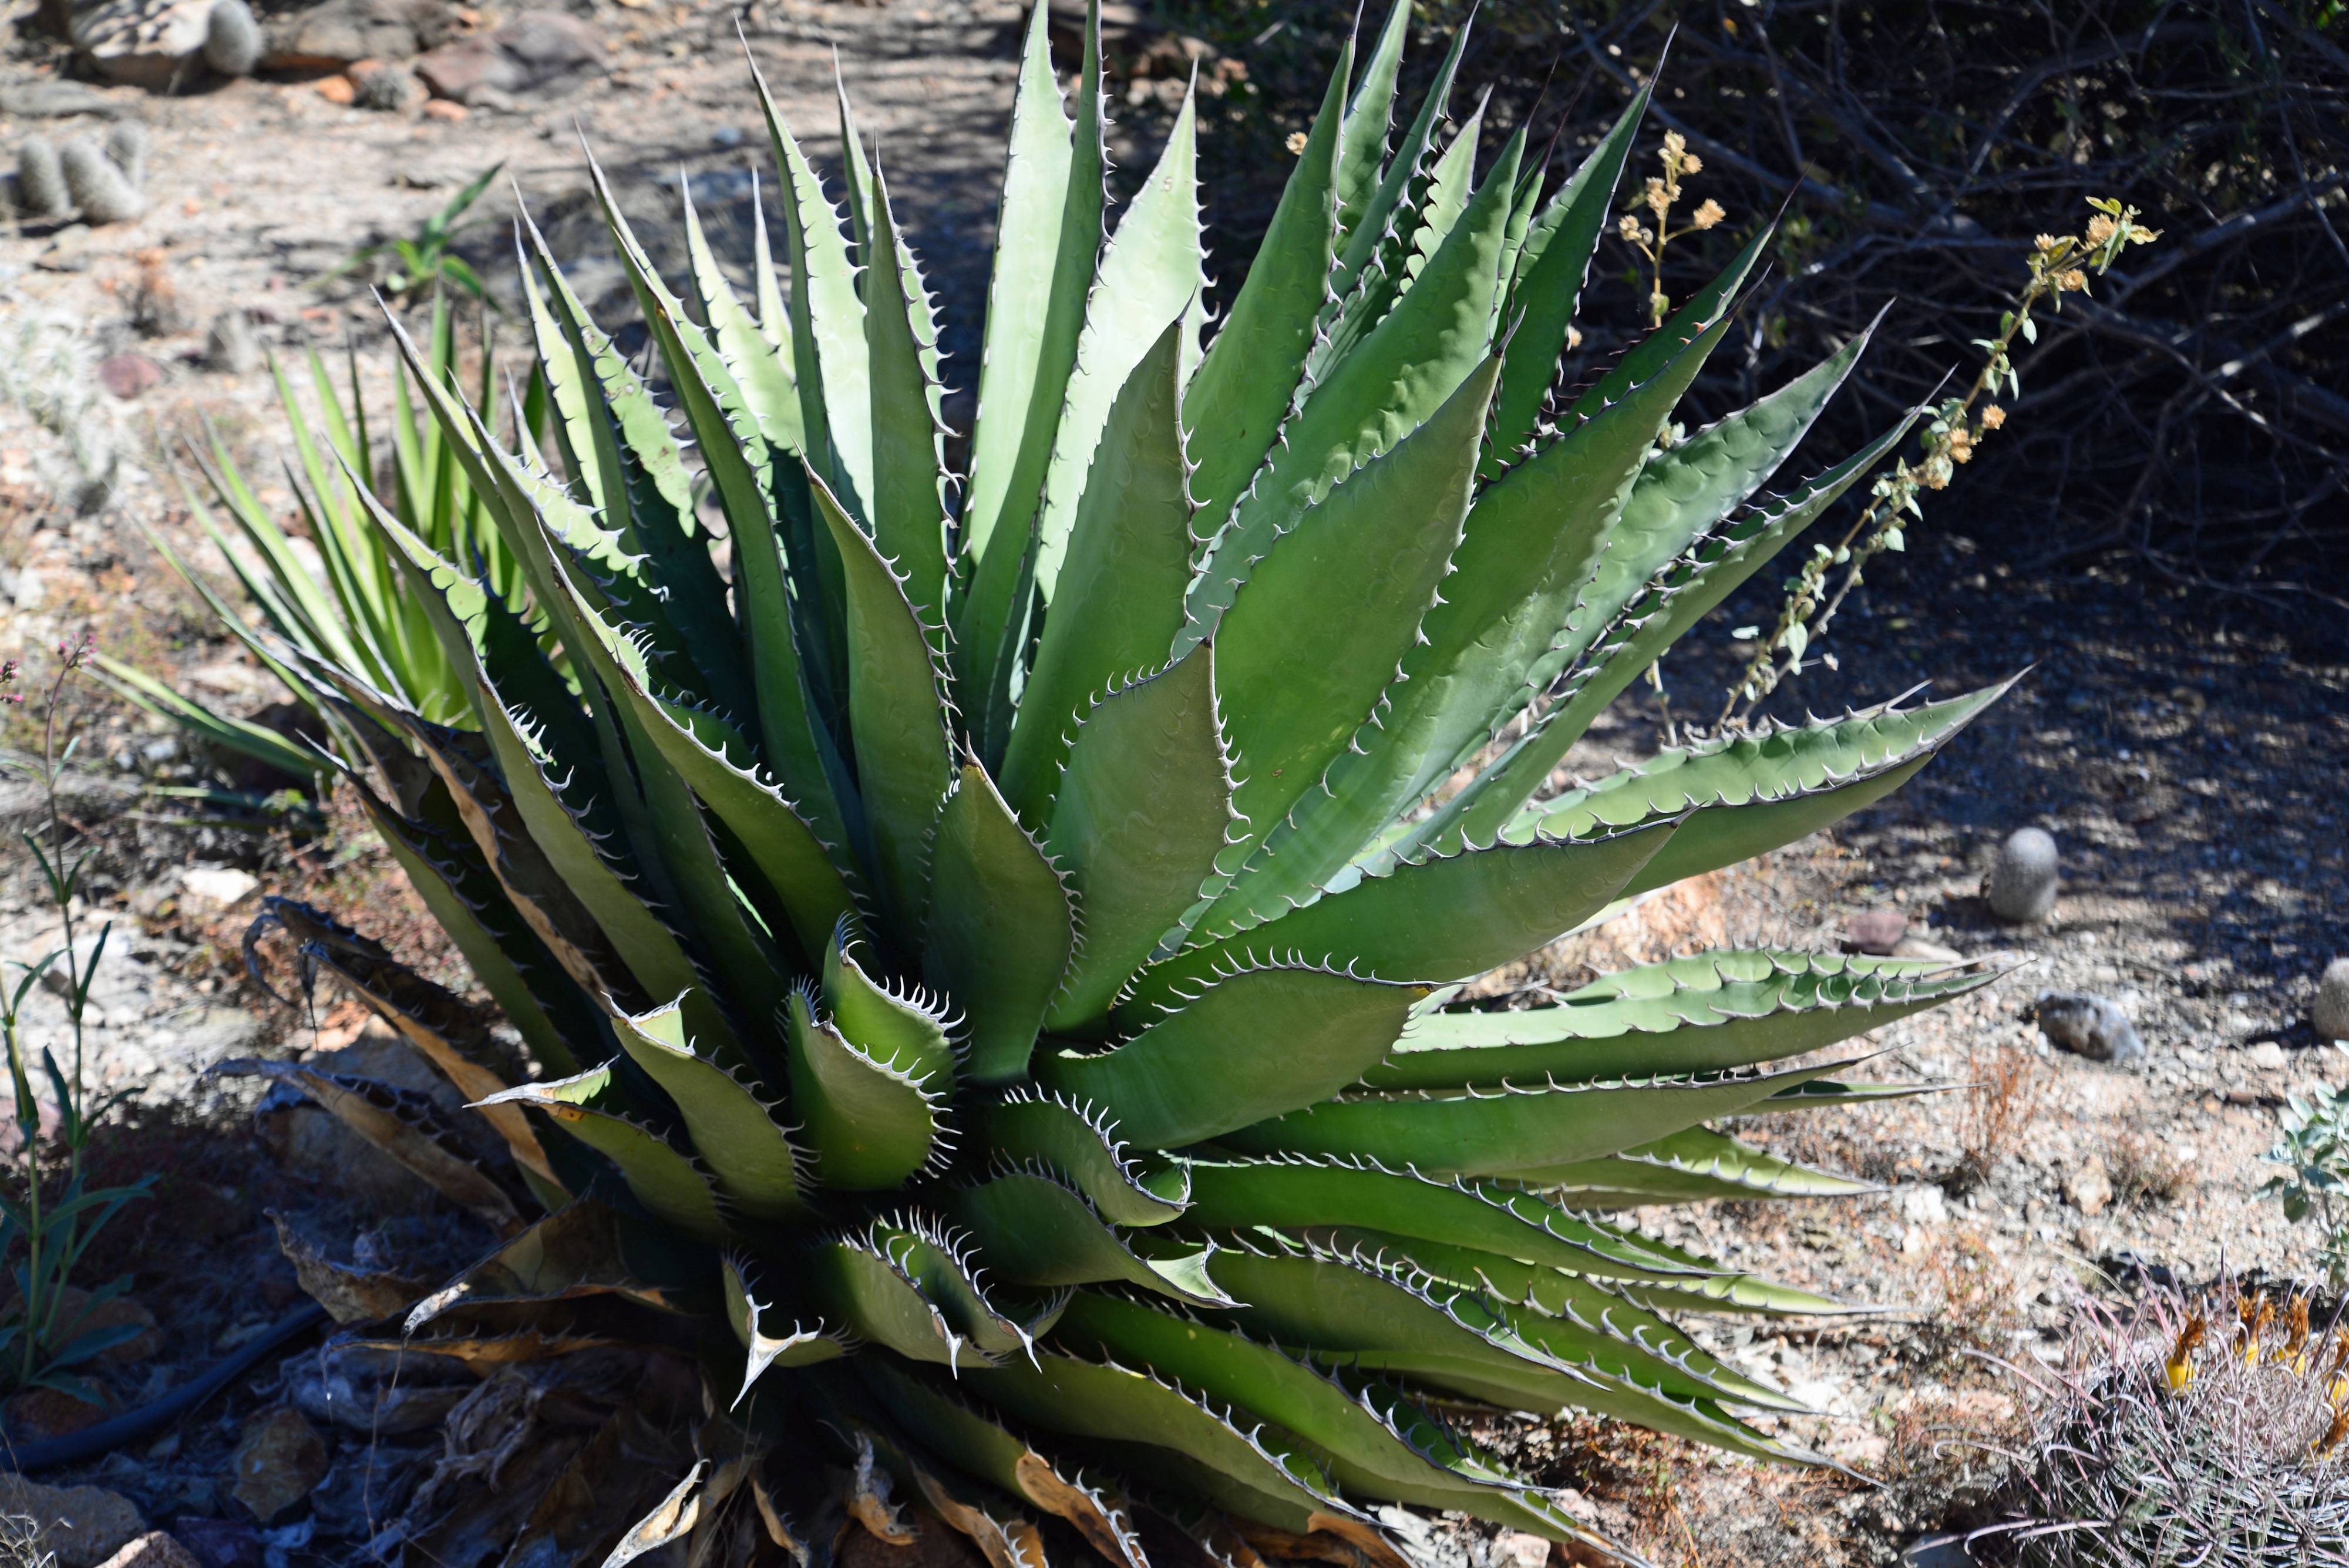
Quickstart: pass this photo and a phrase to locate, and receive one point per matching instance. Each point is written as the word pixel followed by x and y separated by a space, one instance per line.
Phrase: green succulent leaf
pixel 1694 1164
pixel 1144 810
pixel 669 1182
pixel 1081 1147
pixel 868 1122
pixel 1513 1131
pixel 1202 1070
pixel 1002 926
pixel 734 1131
pixel 1705 1013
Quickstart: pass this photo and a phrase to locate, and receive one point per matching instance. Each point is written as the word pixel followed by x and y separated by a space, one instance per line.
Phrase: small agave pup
pixel 993 964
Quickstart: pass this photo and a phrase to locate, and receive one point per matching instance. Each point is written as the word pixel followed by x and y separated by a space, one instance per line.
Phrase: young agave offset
pixel 998 959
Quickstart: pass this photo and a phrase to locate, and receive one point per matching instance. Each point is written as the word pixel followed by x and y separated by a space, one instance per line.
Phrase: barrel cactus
pixel 991 956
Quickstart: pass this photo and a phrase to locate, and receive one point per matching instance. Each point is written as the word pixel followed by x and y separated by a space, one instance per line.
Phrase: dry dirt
pixel 2192 775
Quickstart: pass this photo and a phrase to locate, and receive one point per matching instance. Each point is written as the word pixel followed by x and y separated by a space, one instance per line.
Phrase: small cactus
pixel 40 182
pixel 126 149
pixel 100 188
pixel 229 345
pixel 2330 1015
pixel 2022 883
pixel 232 39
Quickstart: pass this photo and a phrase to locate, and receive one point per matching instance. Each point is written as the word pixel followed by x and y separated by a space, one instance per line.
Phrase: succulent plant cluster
pixel 994 953
pixel 102 183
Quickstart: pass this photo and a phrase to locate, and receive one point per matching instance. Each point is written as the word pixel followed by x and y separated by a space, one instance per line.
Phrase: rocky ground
pixel 2188 769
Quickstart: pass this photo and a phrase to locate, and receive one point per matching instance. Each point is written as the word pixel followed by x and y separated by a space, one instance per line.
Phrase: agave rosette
pixel 991 950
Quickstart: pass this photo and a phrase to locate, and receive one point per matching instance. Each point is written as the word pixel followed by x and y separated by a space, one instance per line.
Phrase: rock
pixel 1876 931
pixel 2330 1016
pixel 41 1413
pixel 336 89
pixel 1519 1549
pixel 341 33
pixel 1924 1204
pixel 536 49
pixel 84 1525
pixel 386 87
pixel 218 1543
pixel 2020 885
pixel 2089 1188
pixel 2087 1025
pixel 277 1461
pixel 153 1549
pixel 310 1142
pixel 217 886
pixel 142 43
pixel 440 109
pixel 127 375
pixel 1917 946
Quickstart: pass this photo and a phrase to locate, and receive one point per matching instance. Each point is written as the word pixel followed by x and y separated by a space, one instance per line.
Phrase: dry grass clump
pixel 2206 1430
pixel 2003 1085
pixel 2146 1168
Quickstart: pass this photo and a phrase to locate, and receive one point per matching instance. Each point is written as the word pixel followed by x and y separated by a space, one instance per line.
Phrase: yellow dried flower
pixel 1992 417
pixel 1962 445
pixel 2100 229
pixel 2073 281
pixel 1628 228
pixel 2332 1435
pixel 2179 1368
pixel 1296 142
pixel 1657 198
pixel 2045 243
pixel 1674 144
pixel 1712 212
pixel 1692 164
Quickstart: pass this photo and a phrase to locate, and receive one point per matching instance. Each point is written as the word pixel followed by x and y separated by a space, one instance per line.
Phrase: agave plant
pixel 996 957
pixel 350 607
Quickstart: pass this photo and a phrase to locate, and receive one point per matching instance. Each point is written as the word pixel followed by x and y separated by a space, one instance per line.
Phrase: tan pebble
pixel 444 109
pixel 336 89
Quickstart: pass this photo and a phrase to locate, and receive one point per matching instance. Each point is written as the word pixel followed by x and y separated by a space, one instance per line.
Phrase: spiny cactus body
pixel 2330 1015
pixel 232 39
pixel 126 149
pixel 40 181
pixel 2021 886
pixel 101 190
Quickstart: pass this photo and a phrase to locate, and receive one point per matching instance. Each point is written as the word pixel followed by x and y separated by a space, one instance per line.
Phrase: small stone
pixel 440 109
pixel 280 1458
pixel 1923 1204
pixel 2330 1016
pixel 84 1525
pixel 534 50
pixel 1876 931
pixel 336 89
pixel 144 43
pixel 1916 947
pixel 153 1549
pixel 2020 885
pixel 127 375
pixel 2089 1188
pixel 38 1414
pixel 218 1543
pixel 1519 1549
pixel 218 887
pixel 2087 1025
pixel 2267 1056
